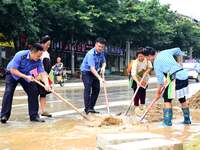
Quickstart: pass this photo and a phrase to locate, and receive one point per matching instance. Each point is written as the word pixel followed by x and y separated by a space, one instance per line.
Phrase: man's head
pixel 100 44
pixel 36 52
pixel 45 42
pixel 150 53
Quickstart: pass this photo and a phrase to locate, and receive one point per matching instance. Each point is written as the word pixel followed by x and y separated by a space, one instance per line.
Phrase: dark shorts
pixel 180 84
pixel 42 91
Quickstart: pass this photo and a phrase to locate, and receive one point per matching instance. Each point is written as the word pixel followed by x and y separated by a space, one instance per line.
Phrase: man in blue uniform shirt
pixel 93 64
pixel 166 65
pixel 18 71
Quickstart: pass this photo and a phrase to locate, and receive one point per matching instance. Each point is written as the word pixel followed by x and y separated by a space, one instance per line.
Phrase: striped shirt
pixel 165 63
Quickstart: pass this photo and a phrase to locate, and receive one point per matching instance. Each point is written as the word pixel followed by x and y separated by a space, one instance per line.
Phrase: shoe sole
pixel 47 116
pixel 3 121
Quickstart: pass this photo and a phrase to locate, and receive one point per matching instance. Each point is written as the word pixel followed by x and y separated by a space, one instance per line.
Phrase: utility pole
pixel 72 57
pixel 190 53
pixel 128 44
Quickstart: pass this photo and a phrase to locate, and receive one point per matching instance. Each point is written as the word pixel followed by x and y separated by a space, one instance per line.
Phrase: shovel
pixel 153 102
pixel 134 96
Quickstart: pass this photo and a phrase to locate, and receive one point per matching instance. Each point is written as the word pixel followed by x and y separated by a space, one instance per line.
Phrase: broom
pixel 64 100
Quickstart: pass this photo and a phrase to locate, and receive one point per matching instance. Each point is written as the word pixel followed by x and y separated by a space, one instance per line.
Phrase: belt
pixel 173 75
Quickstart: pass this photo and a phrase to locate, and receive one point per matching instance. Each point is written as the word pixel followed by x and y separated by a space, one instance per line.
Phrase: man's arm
pixel 91 63
pixel 178 53
pixel 45 79
pixel 102 71
pixel 160 79
pixel 16 72
pixel 158 92
pixel 45 76
pixel 180 60
pixel 94 71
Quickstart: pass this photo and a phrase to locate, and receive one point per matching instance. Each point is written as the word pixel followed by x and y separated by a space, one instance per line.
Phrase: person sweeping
pixel 18 71
pixel 165 65
pixel 140 75
pixel 93 65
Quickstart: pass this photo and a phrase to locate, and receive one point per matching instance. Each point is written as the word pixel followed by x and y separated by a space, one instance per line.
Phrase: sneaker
pixel 37 119
pixel 94 111
pixel 142 107
pixel 91 111
pixel 46 114
pixel 4 119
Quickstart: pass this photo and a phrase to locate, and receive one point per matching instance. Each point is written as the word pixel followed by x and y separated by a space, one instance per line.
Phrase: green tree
pixel 187 35
pixel 17 18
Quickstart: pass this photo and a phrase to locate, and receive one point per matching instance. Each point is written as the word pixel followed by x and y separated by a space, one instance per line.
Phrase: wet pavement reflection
pixel 69 131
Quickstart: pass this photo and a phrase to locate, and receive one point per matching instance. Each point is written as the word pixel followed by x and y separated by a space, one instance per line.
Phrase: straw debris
pixel 194 101
pixel 111 121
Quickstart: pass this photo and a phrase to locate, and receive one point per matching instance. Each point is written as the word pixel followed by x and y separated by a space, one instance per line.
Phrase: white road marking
pixel 194 87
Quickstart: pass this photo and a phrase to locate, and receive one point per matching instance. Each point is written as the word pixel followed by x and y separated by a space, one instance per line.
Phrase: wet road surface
pixel 69 131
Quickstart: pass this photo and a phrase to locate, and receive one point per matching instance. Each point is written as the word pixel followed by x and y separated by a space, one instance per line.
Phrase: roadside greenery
pixel 141 23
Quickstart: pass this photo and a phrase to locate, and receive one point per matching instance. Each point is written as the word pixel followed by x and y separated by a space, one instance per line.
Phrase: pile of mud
pixel 99 121
pixel 111 121
pixel 154 115
pixel 194 101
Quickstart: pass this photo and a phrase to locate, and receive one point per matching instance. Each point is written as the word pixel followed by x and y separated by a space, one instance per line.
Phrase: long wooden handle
pixel 152 103
pixel 148 109
pixel 134 96
pixel 106 97
pixel 64 100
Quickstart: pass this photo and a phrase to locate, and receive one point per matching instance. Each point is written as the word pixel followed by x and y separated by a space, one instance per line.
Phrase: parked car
pixel 193 70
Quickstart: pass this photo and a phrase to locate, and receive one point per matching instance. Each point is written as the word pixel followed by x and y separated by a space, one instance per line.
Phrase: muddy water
pixel 71 132
pixel 65 134
pixel 60 134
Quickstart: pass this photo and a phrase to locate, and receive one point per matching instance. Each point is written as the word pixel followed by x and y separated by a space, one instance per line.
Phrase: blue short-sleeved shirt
pixel 22 62
pixel 165 63
pixel 93 59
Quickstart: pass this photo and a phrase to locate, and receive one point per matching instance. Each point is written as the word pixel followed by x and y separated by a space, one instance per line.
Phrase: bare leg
pixel 42 104
pixel 43 107
pixel 167 105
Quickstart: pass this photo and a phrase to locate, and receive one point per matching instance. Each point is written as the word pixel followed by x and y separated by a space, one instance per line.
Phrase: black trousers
pixel 31 90
pixel 91 90
pixel 140 95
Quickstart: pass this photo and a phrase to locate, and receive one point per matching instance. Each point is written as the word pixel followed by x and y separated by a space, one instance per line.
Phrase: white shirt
pixel 45 54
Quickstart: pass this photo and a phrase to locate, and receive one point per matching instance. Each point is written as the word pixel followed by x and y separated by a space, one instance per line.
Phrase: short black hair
pixel 139 52
pixel 141 49
pixel 149 51
pixel 37 47
pixel 101 40
pixel 44 39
